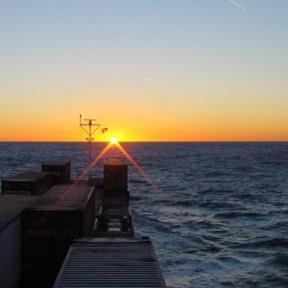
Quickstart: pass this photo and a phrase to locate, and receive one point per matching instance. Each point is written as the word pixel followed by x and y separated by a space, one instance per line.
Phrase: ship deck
pixel 109 263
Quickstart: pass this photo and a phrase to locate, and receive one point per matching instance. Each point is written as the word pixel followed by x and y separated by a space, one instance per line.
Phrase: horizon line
pixel 148 141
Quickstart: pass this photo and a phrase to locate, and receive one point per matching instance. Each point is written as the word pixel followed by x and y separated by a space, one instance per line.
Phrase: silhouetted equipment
pixel 64 213
pixel 37 231
pixel 31 182
pixel 115 176
pixel 11 207
pixel 114 218
pixel 89 126
pixel 60 171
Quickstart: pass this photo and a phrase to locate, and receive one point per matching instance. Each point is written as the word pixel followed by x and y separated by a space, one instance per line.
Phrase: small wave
pixel 152 222
pixel 273 163
pixel 258 278
pixel 199 223
pixel 200 245
pixel 218 204
pixel 137 181
pixel 245 169
pixel 209 249
pixel 236 214
pixel 135 198
pixel 214 191
pixel 166 201
pixel 184 203
pixel 212 248
pixel 259 176
pixel 215 174
pixel 279 211
pixel 249 196
pixel 269 243
pixel 281 225
pixel 280 259
pixel 230 260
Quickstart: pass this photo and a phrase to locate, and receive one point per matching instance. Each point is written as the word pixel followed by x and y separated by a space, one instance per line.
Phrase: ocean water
pixel 217 212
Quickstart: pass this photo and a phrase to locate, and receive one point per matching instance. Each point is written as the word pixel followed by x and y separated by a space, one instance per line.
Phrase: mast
pixel 89 126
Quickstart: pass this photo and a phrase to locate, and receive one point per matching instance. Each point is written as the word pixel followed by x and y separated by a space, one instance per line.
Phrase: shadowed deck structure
pixel 82 231
pixel 108 263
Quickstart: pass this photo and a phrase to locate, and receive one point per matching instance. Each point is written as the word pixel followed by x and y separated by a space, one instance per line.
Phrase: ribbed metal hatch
pixel 130 263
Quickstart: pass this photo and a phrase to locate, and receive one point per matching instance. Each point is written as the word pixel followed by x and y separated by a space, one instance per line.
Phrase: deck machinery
pixel 114 218
pixel 62 246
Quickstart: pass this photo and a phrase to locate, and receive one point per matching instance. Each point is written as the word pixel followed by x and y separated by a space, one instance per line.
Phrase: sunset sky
pixel 151 70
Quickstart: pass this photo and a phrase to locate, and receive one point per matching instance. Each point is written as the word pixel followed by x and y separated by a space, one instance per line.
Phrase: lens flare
pixel 114 141
pixel 137 166
pixel 86 170
pixel 103 152
pixel 78 180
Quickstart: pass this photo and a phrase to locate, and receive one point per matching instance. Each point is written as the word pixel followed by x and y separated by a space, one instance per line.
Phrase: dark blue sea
pixel 217 212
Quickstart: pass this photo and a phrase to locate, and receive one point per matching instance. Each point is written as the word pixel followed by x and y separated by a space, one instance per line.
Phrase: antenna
pixel 89 126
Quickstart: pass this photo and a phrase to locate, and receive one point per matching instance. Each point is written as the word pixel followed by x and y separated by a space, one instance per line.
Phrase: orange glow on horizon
pixel 139 129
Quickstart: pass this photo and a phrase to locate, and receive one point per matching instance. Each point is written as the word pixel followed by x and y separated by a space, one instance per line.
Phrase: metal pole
pixel 90 147
pixel 92 128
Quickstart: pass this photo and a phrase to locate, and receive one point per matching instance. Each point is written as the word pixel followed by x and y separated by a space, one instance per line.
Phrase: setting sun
pixel 114 141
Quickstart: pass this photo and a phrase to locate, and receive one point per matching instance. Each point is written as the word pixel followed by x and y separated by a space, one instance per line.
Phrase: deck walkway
pixel 110 263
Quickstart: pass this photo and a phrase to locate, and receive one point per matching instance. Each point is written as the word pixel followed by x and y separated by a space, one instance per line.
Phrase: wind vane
pixel 89 126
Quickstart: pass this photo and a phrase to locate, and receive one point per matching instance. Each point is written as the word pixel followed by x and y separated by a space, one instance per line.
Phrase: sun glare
pixel 114 141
